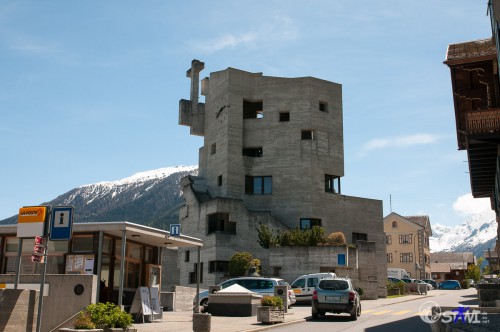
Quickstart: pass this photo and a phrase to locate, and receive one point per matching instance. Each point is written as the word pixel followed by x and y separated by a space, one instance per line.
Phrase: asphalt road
pixel 404 316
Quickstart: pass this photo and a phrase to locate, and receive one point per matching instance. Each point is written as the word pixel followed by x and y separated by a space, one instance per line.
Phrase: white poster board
pixel 155 300
pixel 141 303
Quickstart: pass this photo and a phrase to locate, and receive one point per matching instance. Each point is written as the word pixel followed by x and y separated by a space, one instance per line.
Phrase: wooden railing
pixel 487 121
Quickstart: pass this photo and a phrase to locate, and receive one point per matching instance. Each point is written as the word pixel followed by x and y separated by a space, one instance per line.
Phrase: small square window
pixel 284 116
pixel 213 148
pixel 307 134
pixel 323 106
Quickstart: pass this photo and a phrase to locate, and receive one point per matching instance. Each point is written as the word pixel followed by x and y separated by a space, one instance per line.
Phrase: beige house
pixel 407 244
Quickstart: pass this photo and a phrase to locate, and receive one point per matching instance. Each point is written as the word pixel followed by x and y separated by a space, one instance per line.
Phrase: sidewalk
pixel 180 321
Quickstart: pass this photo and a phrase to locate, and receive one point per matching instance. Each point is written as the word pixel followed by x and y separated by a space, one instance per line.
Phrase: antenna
pixel 390 202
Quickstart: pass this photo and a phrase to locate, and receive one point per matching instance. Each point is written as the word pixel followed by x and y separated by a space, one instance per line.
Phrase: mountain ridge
pixel 153 198
pixel 150 198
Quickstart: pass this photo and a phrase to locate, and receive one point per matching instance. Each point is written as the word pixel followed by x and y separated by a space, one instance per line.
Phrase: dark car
pixel 335 296
pixel 450 284
pixel 432 282
pixel 394 280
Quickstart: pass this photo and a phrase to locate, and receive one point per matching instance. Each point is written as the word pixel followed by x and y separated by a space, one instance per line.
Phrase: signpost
pixel 61 223
pixel 175 229
pixel 31 221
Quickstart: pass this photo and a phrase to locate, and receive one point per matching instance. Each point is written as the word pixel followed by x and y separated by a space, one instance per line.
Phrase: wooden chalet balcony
pixel 483 122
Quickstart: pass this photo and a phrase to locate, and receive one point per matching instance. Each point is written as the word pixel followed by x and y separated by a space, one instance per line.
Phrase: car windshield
pixel 334 284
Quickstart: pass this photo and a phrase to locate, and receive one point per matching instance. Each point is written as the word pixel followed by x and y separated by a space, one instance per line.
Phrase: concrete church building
pixel 273 153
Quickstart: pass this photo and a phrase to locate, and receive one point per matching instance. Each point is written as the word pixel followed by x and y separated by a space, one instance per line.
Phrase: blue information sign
pixel 61 223
pixel 175 229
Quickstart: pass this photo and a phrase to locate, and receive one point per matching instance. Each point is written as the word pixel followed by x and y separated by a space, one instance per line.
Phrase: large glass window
pixel 258 185
pixel 83 244
pixel 306 223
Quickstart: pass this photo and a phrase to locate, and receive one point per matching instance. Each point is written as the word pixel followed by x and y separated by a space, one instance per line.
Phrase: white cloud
pixel 402 141
pixel 468 206
pixel 281 29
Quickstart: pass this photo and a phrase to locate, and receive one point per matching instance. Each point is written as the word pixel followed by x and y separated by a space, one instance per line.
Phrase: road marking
pixel 383 312
pixel 368 311
pixel 402 312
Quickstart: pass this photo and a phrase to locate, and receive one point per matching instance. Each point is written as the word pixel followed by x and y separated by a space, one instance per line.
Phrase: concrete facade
pixel 273 153
pixel 61 286
pixel 407 240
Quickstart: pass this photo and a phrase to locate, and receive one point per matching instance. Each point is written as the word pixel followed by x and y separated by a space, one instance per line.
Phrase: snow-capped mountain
pixel 476 234
pixel 150 198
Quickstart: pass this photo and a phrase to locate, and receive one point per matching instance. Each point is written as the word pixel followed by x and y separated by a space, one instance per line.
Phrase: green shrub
pixel 106 315
pixel 392 285
pixel 359 290
pixel 239 263
pixel 83 321
pixel 272 301
pixel 465 283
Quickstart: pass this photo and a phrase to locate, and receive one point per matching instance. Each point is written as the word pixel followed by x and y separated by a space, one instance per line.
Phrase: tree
pixel 473 272
pixel 265 235
pixel 239 263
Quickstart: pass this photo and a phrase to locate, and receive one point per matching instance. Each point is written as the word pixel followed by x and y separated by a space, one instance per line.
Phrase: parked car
pixel 432 282
pixel 394 280
pixel 291 295
pixel 259 285
pixel 335 295
pixel 472 283
pixel 449 284
pixel 429 286
pixel 408 280
pixel 304 285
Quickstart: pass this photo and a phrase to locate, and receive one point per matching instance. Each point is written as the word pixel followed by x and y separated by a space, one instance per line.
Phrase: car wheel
pixel 321 314
pixel 457 287
pixel 203 302
pixel 315 315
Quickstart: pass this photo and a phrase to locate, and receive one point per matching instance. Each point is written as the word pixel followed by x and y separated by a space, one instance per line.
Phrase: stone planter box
pixel 488 294
pixel 392 292
pixel 270 315
pixel 71 329
pixel 110 329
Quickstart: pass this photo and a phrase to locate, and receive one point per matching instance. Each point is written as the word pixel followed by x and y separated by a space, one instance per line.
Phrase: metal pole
pixel 42 286
pixel 198 274
pixel 44 271
pixel 18 261
pixel 99 264
pixel 122 269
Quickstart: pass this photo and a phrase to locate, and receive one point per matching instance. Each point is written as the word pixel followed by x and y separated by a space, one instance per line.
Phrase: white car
pixel 259 285
pixel 304 286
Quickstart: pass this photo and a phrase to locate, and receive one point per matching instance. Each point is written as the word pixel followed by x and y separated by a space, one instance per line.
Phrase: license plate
pixel 332 298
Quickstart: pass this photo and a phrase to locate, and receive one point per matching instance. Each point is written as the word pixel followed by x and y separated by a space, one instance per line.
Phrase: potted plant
pixel 102 317
pixel 271 310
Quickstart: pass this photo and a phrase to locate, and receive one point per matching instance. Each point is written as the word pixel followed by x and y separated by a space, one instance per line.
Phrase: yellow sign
pixel 32 214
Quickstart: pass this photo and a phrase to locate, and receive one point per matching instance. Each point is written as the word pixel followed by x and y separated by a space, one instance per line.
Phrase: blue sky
pixel 89 90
